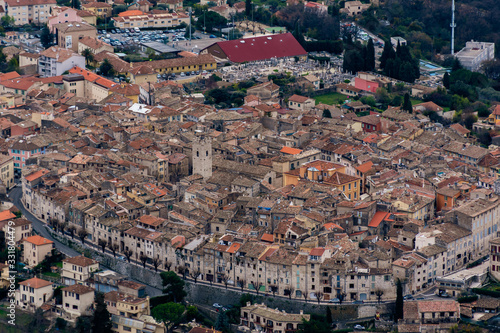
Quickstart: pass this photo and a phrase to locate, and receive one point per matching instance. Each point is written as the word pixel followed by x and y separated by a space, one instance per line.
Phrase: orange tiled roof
pixel 38 240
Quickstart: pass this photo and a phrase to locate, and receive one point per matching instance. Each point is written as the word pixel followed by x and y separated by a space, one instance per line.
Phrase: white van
pixel 137 29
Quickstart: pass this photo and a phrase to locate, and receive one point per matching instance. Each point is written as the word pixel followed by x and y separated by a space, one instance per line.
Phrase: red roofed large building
pixel 257 48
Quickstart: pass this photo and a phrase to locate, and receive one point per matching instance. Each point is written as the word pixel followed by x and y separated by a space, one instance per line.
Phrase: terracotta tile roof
pixel 80 261
pixel 363 168
pixel 131 13
pixel 17 3
pixel 377 219
pixel 92 43
pixel 37 240
pixel 141 70
pixel 7 215
pixel 36 175
pixel 96 5
pixel 438 306
pixel 298 99
pixel 267 238
pixel 290 150
pixel 340 178
pixel 89 76
pixel 79 289
pixel 35 283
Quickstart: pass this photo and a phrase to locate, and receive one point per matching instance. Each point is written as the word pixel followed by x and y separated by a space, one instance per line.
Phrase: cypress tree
pixel 446 80
pixel 407 103
pixel 387 53
pixel 398 314
pixel 370 56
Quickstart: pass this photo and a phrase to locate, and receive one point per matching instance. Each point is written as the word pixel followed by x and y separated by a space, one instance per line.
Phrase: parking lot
pixel 122 38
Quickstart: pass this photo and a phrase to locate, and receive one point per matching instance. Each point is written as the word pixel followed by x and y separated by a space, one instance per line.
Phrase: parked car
pixel 407 297
pixel 357 302
pixel 334 300
pixel 217 305
pixel 213 36
pixel 359 327
pixel 444 295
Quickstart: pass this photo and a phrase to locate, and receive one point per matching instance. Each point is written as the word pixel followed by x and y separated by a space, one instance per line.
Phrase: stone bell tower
pixel 202 155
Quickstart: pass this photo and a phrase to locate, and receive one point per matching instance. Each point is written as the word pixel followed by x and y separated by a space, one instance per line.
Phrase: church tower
pixel 202 155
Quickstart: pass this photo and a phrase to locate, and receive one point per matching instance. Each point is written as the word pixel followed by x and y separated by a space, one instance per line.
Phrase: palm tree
pixel 89 56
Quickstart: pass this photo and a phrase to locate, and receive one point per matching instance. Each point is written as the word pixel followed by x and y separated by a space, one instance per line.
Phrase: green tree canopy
pixel 169 313
pixel 101 320
pixel 46 37
pixel 407 104
pixel 173 286
pixel 106 68
pixel 210 21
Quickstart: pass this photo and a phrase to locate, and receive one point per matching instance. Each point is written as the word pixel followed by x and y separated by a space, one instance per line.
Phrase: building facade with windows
pixel 29 11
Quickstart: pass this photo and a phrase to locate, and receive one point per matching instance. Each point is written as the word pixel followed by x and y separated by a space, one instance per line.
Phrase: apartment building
pixel 137 18
pixel 77 270
pixel 21 227
pixel 33 293
pixel 35 249
pixel 127 306
pixel 475 53
pixel 54 61
pixel 77 300
pixel 481 218
pixel 29 11
pixel 99 9
pixel 7 171
pixel 69 34
pixel 495 258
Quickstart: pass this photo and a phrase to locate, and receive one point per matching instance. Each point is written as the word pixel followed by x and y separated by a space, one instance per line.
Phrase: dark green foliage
pixel 353 61
pixel 407 104
pixel 46 37
pixel 370 56
pixel 248 8
pixel 487 292
pixel 106 68
pixel 387 53
pixel 7 21
pixel 401 64
pixel 484 138
pixel 49 261
pixel 38 322
pixel 314 326
pixel 101 320
pixel 467 299
pixel 210 21
pixel 169 313
pixel 173 286
pixel 329 318
pixel 222 322
pixel 319 26
pixel 61 323
pixel 469 121
pixel 119 9
pixel 83 324
pixel 398 314
pixel 446 80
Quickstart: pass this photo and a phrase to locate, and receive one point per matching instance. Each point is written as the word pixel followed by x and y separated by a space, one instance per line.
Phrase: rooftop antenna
pixel 453 25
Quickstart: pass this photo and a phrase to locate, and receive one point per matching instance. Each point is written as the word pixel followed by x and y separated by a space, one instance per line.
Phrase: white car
pixel 359 327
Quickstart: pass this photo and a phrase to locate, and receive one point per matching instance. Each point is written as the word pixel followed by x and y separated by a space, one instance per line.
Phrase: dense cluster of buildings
pixel 279 195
